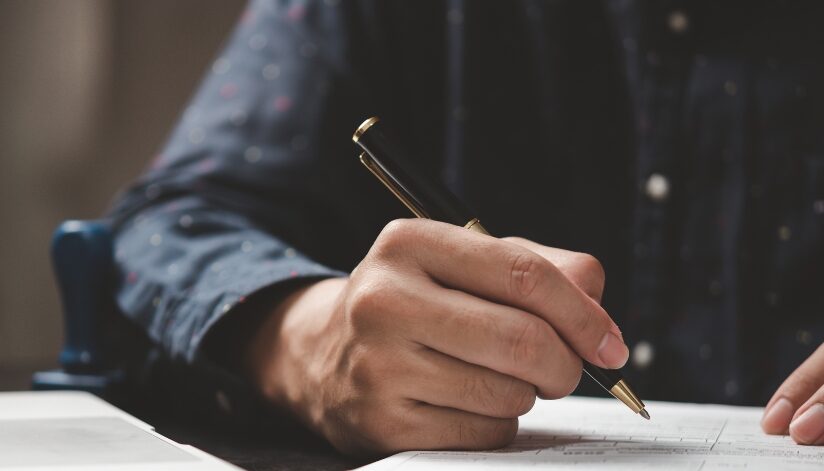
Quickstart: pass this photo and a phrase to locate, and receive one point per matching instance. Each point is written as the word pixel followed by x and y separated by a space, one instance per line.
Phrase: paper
pixel 81 442
pixel 49 431
pixel 588 433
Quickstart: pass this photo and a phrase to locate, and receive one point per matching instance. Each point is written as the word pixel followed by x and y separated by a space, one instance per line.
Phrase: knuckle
pixel 479 390
pixel 593 273
pixel 367 298
pixel 468 391
pixel 502 432
pixel 394 238
pixel 518 399
pixel 508 398
pixel 525 271
pixel 566 380
pixel 524 344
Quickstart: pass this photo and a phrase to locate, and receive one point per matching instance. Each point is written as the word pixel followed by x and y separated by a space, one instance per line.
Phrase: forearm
pixel 186 265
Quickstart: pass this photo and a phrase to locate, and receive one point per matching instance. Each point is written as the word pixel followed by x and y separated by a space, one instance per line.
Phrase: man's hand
pixel 441 338
pixel 798 405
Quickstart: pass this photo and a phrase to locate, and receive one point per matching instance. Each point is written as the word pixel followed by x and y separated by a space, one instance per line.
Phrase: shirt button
pixel 642 354
pixel 705 351
pixel 804 337
pixel 716 288
pixel 731 388
pixel 678 22
pixel 772 298
pixel 730 87
pixel 658 187
pixel 223 402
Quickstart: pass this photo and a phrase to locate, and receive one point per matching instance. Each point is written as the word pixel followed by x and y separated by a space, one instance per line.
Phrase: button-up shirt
pixel 681 143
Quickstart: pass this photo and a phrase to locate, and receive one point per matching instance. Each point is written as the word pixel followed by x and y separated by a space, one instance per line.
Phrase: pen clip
pixel 377 171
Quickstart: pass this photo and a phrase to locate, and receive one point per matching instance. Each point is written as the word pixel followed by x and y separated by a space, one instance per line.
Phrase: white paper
pixel 588 433
pixel 47 431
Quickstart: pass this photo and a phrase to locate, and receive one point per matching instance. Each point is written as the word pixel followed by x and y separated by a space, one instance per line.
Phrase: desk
pixel 287 448
pixel 290 448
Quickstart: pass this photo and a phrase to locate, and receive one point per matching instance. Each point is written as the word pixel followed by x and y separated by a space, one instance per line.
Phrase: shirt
pixel 679 142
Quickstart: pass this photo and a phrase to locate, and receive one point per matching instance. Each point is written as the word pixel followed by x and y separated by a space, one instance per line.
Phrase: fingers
pixel 439 428
pixel 508 274
pixel 807 426
pixel 794 398
pixel 494 336
pixel 584 270
pixel 444 381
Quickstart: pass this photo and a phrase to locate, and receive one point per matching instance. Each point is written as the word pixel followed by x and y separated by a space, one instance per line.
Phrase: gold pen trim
pixel 620 390
pixel 624 393
pixel 363 127
pixel 378 172
pixel 475 226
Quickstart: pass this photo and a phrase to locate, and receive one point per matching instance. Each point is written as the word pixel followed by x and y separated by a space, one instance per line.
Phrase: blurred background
pixel 89 90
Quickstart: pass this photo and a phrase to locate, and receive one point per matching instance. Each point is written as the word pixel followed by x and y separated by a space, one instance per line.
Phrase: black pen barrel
pixel 425 191
pixel 604 377
pixel 428 198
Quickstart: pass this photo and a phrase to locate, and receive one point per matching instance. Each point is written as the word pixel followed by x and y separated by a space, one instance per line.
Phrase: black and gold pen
pixel 428 198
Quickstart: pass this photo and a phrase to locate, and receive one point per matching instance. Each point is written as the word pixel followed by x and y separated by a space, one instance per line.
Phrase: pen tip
pixel 644 413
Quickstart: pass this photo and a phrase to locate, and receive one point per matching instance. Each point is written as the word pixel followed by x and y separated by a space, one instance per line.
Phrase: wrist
pixel 280 352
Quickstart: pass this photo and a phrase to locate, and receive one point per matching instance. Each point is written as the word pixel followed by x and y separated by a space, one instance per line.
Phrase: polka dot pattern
pixel 725 171
pixel 188 261
pixel 726 223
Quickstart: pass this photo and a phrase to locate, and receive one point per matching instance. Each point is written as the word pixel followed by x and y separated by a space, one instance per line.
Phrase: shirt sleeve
pixel 246 186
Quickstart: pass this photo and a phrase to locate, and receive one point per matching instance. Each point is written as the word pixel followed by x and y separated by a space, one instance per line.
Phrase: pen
pixel 428 198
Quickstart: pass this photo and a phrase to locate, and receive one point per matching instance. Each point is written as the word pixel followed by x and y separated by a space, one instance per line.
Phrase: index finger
pixel 509 274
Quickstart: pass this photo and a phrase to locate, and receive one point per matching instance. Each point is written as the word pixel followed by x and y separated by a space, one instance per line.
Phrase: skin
pixel 797 407
pixel 441 338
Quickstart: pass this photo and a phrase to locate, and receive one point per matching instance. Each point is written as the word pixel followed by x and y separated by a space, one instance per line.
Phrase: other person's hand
pixel 798 405
pixel 440 339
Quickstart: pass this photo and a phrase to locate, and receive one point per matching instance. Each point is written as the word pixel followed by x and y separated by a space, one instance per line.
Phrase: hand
pixel 440 339
pixel 798 405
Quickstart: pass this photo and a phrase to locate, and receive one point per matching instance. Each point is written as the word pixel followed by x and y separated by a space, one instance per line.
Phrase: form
pixel 589 433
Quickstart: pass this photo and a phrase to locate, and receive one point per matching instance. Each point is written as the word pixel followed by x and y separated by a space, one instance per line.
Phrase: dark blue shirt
pixel 679 142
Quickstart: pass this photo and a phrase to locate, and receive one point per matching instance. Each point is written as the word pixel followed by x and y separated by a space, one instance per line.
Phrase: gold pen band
pixel 446 207
pixel 623 393
pixel 475 226
pixel 363 127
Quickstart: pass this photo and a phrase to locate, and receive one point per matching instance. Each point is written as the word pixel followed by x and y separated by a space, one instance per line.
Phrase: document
pixel 50 431
pixel 589 433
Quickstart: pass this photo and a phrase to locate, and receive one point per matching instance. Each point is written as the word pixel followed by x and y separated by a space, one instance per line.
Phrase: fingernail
pixel 615 330
pixel 809 426
pixel 612 351
pixel 778 416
